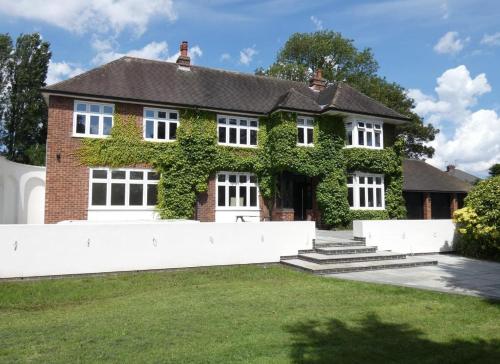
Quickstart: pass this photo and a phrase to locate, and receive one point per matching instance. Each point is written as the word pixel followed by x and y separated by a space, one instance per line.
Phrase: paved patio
pixel 453 274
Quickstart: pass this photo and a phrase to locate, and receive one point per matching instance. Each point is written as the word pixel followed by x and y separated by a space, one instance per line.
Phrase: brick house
pixel 154 93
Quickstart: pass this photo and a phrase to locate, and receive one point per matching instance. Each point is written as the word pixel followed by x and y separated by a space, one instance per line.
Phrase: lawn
pixel 250 314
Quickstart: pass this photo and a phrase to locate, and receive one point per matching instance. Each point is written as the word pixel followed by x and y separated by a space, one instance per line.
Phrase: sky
pixel 446 53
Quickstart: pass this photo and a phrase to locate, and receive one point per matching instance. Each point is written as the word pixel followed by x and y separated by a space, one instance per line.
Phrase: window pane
pixel 221 177
pixel 135 195
pixel 243 196
pixel 173 116
pixel 253 179
pixel 300 121
pixel 350 196
pixel 222 120
pixel 221 196
pixel 232 178
pixel 150 126
pixel 349 137
pixel 377 139
pixel 100 173
pixel 80 124
pixel 117 194
pixel 107 125
pixel 370 180
pixel 253 196
pixel 362 199
pixel 370 197
pixel 136 175
pixel 232 135
pixel 95 108
pixel 300 135
pixel 376 126
pixel 361 179
pixel 368 125
pixel 150 114
pixel 98 194
pixel 232 122
pixel 161 130
pixel 310 122
pixel 243 123
pixel 172 131
pixel 162 115
pixel 379 197
pixel 152 195
pixel 81 107
pixel 349 179
pixel 107 109
pixel 254 123
pixel 222 134
pixel 361 125
pixel 94 124
pixel 378 180
pixel 243 178
pixel 253 137
pixel 118 174
pixel 243 136
pixel 232 195
pixel 153 176
pixel 361 137
pixel 369 139
pixel 309 136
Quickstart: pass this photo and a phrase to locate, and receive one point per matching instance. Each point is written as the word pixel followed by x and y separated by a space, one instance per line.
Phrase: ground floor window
pixel 123 188
pixel 365 191
pixel 236 190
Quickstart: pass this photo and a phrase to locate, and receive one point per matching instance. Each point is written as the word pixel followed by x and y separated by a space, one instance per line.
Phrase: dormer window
pixel 305 131
pixel 364 134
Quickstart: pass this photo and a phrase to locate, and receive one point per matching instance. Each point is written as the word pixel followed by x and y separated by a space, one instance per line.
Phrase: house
pixel 431 193
pixel 461 175
pixel 271 148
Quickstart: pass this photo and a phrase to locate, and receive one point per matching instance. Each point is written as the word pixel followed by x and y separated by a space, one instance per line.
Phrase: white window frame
pixel 236 184
pixel 238 127
pixel 357 184
pixel 127 181
pixel 306 123
pixel 366 126
pixel 88 114
pixel 156 120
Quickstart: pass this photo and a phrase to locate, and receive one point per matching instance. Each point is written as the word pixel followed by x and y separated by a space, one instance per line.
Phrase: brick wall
pixel 205 206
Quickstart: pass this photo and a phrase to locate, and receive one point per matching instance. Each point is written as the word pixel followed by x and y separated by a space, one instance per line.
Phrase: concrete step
pixel 349 258
pixel 357 266
pixel 339 243
pixel 343 250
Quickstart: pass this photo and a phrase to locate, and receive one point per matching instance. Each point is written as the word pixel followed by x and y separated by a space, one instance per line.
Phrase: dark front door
pixel 302 197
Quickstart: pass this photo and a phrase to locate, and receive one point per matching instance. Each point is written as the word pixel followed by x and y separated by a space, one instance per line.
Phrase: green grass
pixel 249 314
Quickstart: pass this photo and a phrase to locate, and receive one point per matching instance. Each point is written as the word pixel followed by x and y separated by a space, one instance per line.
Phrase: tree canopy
pixel 340 60
pixel 494 170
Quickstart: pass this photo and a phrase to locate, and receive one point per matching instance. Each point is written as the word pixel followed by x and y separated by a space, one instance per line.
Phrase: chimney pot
pixel 317 82
pixel 184 60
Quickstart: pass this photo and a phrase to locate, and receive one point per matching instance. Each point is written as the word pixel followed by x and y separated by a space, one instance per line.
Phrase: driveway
pixel 453 274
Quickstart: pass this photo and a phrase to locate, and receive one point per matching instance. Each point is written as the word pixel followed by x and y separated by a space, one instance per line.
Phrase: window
pixel 305 131
pixel 123 188
pixel 237 190
pixel 92 119
pixel 364 134
pixel 365 191
pixel 237 131
pixel 160 124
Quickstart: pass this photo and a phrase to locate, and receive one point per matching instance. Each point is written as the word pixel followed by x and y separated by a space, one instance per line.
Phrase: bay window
pixel 160 124
pixel 236 190
pixel 91 119
pixel 237 131
pixel 364 134
pixel 305 131
pixel 366 191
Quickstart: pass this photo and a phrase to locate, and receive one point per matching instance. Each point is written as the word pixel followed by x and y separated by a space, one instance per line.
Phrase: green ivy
pixel 186 164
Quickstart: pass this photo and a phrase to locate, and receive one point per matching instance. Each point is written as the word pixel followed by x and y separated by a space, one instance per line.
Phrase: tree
pixel 340 60
pixel 5 51
pixel 24 110
pixel 494 170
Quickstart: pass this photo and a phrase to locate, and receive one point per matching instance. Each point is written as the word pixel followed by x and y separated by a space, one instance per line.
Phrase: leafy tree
pixel 24 110
pixel 340 60
pixel 5 51
pixel 495 170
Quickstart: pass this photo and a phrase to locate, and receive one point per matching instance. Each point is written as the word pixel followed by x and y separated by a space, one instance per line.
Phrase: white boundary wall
pixel 84 247
pixel 22 193
pixel 407 236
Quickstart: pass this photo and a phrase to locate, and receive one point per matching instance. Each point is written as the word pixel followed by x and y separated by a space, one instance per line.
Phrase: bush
pixel 478 223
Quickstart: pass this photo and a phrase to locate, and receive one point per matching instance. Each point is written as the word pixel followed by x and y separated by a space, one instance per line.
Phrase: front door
pixel 302 197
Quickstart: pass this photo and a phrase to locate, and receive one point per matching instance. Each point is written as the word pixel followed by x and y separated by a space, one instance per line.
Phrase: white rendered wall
pixel 22 193
pixel 122 215
pixel 85 247
pixel 231 215
pixel 407 236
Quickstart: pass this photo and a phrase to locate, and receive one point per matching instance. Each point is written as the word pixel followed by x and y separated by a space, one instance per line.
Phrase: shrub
pixel 478 223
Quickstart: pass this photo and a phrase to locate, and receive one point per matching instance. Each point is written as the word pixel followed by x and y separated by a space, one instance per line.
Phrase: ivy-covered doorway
pixel 296 191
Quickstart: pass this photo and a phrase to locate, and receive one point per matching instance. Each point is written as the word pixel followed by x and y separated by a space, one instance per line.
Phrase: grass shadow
pixel 374 341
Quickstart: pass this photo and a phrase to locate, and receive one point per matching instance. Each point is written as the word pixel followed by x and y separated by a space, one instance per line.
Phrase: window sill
pixel 237 208
pixel 120 208
pixel 160 140
pixel 367 208
pixel 90 136
pixel 305 145
pixel 362 147
pixel 237 145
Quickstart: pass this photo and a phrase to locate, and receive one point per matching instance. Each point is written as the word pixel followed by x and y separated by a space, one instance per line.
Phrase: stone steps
pixel 343 250
pixel 328 243
pixel 349 258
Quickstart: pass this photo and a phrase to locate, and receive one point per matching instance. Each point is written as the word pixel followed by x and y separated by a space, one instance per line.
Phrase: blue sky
pixel 445 52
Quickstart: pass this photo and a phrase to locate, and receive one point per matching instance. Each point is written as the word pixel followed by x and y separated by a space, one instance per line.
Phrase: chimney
pixel 317 82
pixel 450 167
pixel 183 60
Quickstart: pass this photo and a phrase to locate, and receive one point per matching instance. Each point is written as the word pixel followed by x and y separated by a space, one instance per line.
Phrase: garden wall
pixel 86 247
pixel 407 236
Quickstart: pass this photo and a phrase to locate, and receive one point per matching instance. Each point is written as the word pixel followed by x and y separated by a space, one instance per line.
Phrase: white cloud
pixel 225 57
pixel 491 39
pixel 82 16
pixel 450 43
pixel 317 23
pixel 106 51
pixel 247 54
pixel 59 71
pixel 472 137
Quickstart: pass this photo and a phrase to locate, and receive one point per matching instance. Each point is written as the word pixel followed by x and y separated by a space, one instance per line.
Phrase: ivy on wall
pixel 186 164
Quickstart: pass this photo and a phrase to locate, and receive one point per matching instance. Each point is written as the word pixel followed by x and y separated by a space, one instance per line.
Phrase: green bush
pixel 478 223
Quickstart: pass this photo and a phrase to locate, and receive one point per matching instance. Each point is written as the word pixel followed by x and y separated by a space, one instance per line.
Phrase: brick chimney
pixel 183 59
pixel 450 167
pixel 317 82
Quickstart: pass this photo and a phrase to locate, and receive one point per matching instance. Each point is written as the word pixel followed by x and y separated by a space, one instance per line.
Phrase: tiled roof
pixel 421 176
pixel 462 175
pixel 136 79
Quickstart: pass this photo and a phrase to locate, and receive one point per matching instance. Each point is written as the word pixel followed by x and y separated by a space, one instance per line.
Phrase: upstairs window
pixel 365 134
pixel 237 190
pixel 305 131
pixel 160 124
pixel 366 191
pixel 237 131
pixel 92 120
